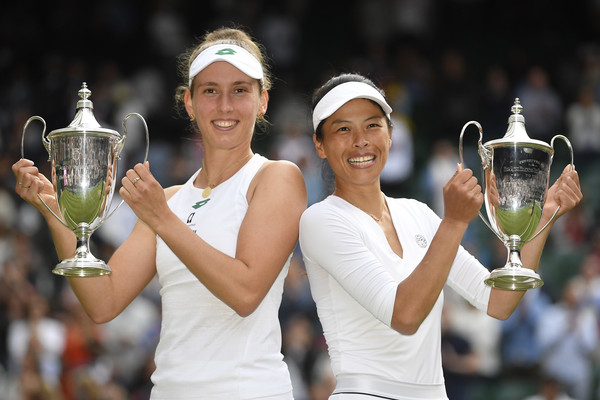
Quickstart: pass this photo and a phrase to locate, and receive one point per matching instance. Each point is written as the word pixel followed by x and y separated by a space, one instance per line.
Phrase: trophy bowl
pixel 516 173
pixel 84 159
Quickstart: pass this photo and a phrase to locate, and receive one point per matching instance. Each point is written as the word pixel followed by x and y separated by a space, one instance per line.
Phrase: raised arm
pixel 417 294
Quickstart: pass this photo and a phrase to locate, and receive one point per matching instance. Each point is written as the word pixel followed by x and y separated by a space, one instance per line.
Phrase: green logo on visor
pixel 225 52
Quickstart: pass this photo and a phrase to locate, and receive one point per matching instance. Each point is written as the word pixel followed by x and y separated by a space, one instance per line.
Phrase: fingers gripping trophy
pixel 516 172
pixel 84 159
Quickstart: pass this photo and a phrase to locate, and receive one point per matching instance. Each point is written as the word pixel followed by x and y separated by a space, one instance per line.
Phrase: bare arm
pixel 565 192
pixel 268 235
pixel 133 266
pixel 417 294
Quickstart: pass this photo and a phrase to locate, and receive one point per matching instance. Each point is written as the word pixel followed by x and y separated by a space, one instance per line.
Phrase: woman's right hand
pixel 462 196
pixel 30 183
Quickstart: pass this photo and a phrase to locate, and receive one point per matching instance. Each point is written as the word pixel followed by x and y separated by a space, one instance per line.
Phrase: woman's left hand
pixel 565 192
pixel 142 192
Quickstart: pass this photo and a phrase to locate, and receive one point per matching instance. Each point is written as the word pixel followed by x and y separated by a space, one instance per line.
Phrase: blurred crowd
pixel 442 64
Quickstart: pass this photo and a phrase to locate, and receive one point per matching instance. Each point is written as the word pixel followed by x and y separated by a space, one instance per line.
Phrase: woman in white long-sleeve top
pixel 377 265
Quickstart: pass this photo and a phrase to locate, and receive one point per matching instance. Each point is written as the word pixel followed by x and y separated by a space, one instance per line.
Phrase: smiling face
pixel 356 141
pixel 225 103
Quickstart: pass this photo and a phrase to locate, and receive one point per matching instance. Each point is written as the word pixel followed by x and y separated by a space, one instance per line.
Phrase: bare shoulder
pixel 277 172
pixel 171 190
pixel 278 176
pixel 279 168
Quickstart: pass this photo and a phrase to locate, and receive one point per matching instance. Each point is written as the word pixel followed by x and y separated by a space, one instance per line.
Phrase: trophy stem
pixel 513 276
pixel 83 264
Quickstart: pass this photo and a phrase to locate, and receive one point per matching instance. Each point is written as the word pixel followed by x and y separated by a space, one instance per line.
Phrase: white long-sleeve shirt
pixel 354 275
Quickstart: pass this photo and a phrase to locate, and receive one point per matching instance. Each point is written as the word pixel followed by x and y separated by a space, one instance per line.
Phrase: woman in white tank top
pixel 220 243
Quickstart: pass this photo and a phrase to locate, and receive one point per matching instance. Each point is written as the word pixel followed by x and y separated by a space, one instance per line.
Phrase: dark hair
pixel 336 81
pixel 222 35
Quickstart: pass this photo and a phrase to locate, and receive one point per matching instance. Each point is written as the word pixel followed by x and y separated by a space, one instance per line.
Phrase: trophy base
pixel 82 267
pixel 514 278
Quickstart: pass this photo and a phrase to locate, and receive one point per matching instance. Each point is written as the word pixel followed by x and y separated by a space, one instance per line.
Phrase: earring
pixel 192 117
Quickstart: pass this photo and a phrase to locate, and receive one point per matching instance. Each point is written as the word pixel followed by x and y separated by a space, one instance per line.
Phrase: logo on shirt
pixel 196 206
pixel 190 218
pixel 200 203
pixel 421 241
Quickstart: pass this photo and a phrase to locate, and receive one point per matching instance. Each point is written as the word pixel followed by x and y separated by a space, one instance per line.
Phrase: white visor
pixel 235 55
pixel 341 94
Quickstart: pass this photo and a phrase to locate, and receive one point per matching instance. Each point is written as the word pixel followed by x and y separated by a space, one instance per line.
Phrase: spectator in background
pixel 36 344
pixel 571 233
pixel 583 126
pixel 457 96
pixel 296 292
pixel 396 174
pixel 496 103
pixel 483 333
pixel 550 389
pixel 542 107
pixel 299 352
pixel 83 345
pixel 459 359
pixel 293 143
pixel 440 167
pixel 589 276
pixel 568 336
pixel 520 348
pixel 400 163
pixel 8 220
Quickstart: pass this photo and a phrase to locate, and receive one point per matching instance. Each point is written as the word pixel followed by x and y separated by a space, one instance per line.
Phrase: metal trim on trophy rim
pixel 92 132
pixel 531 143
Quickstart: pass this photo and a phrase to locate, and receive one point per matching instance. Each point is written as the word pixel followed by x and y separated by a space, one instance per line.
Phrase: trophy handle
pixel 564 138
pixel 121 142
pixel 44 138
pixel 484 158
pixel 46 143
pixel 568 143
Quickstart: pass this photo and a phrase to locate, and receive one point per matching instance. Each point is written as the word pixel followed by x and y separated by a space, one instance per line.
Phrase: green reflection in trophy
pixel 516 172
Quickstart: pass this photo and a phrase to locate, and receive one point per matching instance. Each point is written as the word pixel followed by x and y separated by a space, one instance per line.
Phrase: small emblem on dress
pixel 421 241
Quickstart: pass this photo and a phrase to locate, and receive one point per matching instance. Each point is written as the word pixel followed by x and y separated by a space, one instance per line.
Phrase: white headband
pixel 235 55
pixel 341 94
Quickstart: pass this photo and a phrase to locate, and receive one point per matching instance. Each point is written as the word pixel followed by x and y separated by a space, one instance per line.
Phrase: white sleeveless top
pixel 206 350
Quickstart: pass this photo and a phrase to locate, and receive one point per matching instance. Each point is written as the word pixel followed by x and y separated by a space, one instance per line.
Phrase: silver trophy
pixel 516 172
pixel 84 166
